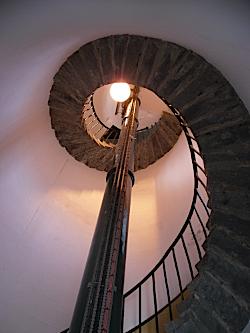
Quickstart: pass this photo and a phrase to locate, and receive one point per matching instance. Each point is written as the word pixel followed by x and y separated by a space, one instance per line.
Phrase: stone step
pixel 236 172
pixel 158 147
pixel 62 102
pixel 152 150
pixel 200 325
pixel 167 127
pixel 188 326
pixel 197 325
pixel 142 151
pixel 188 321
pixel 108 160
pixel 162 131
pixel 203 124
pixel 88 158
pixel 188 313
pixel 79 151
pixel 235 225
pixel 204 316
pixel 232 247
pixel 212 294
pixel 230 199
pixel 234 278
pixel 98 158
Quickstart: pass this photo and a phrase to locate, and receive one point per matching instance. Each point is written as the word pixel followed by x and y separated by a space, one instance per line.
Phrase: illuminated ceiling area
pixel 151 107
pixel 49 201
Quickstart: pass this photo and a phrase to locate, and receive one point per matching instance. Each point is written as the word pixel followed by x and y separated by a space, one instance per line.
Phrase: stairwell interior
pixel 46 196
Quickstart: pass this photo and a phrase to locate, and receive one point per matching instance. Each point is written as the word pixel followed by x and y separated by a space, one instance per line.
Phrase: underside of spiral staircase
pixel 218 298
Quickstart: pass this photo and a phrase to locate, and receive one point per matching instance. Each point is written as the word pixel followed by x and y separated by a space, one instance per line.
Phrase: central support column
pixel 99 304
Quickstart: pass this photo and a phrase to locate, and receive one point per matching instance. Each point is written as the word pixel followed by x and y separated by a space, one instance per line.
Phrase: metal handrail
pixel 89 113
pixel 197 198
pixel 92 123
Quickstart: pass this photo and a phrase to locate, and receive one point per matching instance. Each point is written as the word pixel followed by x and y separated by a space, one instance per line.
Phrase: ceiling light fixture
pixel 120 91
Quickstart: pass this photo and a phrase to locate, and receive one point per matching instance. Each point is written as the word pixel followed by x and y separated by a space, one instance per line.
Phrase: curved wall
pixel 40 199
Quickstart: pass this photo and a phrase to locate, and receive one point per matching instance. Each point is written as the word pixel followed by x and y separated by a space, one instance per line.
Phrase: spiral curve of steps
pixel 219 297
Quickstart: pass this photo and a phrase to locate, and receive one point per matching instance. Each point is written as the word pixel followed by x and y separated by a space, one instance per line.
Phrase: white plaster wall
pixel 49 202
pixel 161 200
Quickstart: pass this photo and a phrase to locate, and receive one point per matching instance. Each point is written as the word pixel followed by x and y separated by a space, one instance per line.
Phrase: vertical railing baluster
pixel 195 150
pixel 91 118
pixel 98 131
pixel 202 170
pixel 155 304
pixel 203 203
pixel 167 288
pixel 201 223
pixel 178 273
pixel 195 240
pixel 93 126
pixel 87 117
pixel 190 136
pixel 123 307
pixel 187 256
pixel 202 183
pixel 140 309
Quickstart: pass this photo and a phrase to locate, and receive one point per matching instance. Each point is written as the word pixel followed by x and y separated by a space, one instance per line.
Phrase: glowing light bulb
pixel 120 91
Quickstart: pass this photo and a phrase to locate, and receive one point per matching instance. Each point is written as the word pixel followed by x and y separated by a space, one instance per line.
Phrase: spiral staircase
pixel 218 298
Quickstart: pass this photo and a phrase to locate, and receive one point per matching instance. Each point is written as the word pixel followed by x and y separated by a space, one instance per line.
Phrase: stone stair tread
pixel 169 133
pixel 109 159
pixel 197 324
pixel 105 160
pixel 186 327
pixel 231 247
pixel 203 121
pixel 205 316
pixel 234 277
pixel 97 159
pixel 187 323
pixel 239 227
pixel 211 292
pixel 80 149
pixel 201 327
pixel 86 159
pixel 230 175
pixel 163 133
pixel 171 122
pixel 63 101
pixel 187 314
pixel 158 148
pixel 231 201
pixel 151 149
pixel 142 151
pixel 183 306
pixel 66 119
pixel 79 136
pixel 68 136
pixel 222 186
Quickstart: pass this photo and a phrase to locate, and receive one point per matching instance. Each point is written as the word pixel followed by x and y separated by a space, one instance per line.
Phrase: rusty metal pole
pixel 99 304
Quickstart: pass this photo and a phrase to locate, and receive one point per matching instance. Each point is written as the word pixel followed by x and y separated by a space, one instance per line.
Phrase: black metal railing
pixel 95 128
pixel 103 135
pixel 166 284
pixel 177 268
